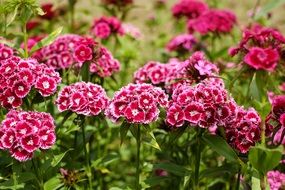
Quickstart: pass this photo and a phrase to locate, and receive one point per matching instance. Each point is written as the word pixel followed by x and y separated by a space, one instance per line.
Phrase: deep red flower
pixel 48 10
pixel 175 116
pixel 30 142
pixel 21 88
pixel 194 112
pixel 46 85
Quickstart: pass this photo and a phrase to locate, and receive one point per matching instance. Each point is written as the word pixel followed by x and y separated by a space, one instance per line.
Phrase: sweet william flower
pixel 82 98
pixel 22 133
pixel 83 53
pixel 137 103
pixel 189 8
pixel 260 58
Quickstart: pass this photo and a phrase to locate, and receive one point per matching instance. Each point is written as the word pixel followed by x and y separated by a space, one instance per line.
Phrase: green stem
pixel 138 139
pixel 86 154
pixel 238 180
pixel 197 158
pixel 26 54
pixel 263 182
pixel 39 179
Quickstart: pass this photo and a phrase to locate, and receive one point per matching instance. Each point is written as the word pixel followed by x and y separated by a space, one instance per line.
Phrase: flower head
pixel 22 133
pixel 82 98
pixel 137 103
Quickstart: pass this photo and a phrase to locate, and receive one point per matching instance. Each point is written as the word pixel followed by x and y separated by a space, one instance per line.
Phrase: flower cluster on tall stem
pixel 261 47
pixel 22 133
pixel 18 76
pixel 82 98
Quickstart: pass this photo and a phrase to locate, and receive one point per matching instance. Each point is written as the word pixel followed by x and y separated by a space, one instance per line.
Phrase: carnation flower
pixel 260 58
pixel 73 50
pixel 261 47
pixel 214 20
pixel 181 43
pixel 276 180
pixel 18 76
pixel 106 26
pixel 82 98
pixel 208 105
pixel 105 65
pixel 137 103
pixel 189 8
pixel 22 133
pixel 5 52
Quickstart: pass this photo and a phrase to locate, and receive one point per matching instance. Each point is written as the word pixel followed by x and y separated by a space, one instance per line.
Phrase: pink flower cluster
pixel 106 26
pixel 261 46
pixel 5 52
pixel 181 43
pixel 137 103
pixel 276 180
pixel 105 65
pixel 214 20
pixel 194 69
pixel 189 8
pixel 275 120
pixel 73 50
pixel 159 73
pixel 18 76
pixel 82 98
pixel 207 105
pixel 59 54
pixel 22 133
pixel 198 68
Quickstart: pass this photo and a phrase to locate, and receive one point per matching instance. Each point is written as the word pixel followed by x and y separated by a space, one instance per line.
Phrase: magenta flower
pixel 82 98
pixel 105 26
pixel 5 52
pixel 189 8
pixel 137 103
pixel 181 43
pixel 214 20
pixel 276 180
pixel 106 64
pixel 83 53
pixel 22 133
pixel 208 105
pixel 18 76
pixel 260 58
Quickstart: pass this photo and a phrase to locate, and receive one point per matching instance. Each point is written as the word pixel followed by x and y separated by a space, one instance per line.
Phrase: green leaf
pixel 47 40
pixel 264 159
pixel 155 180
pixel 53 183
pixel 58 158
pixel 219 171
pixel 14 15
pixel 221 146
pixel 253 88
pixel 26 176
pixel 172 168
pixel 10 185
pixel 268 7
pixel 124 128
pixel 255 183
